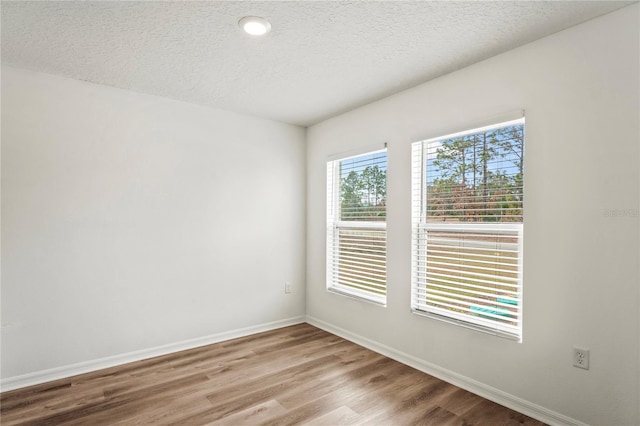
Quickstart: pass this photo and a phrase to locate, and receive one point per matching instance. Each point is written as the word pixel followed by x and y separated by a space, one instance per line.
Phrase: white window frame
pixel 334 226
pixel 420 229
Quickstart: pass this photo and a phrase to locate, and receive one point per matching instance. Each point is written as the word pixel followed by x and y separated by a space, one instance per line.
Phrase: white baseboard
pixel 44 376
pixel 518 404
pixel 496 395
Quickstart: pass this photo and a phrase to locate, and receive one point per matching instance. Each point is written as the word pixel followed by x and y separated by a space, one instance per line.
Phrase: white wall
pixel 580 89
pixel 131 222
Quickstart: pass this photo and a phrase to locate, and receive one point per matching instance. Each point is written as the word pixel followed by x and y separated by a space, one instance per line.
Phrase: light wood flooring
pixel 293 375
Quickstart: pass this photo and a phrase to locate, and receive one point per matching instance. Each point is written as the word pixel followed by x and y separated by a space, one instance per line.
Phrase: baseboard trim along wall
pixel 44 376
pixel 532 410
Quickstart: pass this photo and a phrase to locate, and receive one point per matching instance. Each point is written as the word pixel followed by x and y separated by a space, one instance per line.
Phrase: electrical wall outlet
pixel 581 358
pixel 287 287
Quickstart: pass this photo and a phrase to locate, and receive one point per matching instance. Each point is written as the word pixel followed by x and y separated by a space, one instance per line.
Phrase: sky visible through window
pixel 358 164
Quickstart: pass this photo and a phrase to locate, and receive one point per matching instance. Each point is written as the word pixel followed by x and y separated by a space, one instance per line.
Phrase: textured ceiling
pixel 320 59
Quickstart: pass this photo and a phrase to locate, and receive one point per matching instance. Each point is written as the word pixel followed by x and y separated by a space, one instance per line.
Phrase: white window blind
pixel 467 219
pixel 356 226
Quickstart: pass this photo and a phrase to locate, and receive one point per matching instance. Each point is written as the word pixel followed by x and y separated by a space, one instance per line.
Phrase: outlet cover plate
pixel 581 358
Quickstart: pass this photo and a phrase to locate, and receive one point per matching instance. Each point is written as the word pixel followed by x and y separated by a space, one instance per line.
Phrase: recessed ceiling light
pixel 254 25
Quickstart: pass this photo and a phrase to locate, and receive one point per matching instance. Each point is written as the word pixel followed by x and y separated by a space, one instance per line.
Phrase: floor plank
pixel 298 375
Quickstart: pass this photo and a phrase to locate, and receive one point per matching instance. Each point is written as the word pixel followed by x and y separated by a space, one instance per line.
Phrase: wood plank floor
pixel 293 375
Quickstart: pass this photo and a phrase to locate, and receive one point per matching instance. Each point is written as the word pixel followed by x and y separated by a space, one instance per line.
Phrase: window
pixel 357 227
pixel 467 220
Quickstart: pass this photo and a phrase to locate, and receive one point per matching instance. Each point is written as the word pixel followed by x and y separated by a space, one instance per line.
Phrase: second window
pixel 357 226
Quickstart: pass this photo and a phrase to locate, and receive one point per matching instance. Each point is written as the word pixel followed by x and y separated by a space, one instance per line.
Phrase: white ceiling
pixel 321 58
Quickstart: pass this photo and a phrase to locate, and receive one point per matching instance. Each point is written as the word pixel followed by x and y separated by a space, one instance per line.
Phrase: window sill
pixel 376 299
pixel 469 325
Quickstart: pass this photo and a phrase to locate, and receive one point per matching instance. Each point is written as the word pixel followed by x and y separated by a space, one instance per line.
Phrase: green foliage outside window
pixel 477 177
